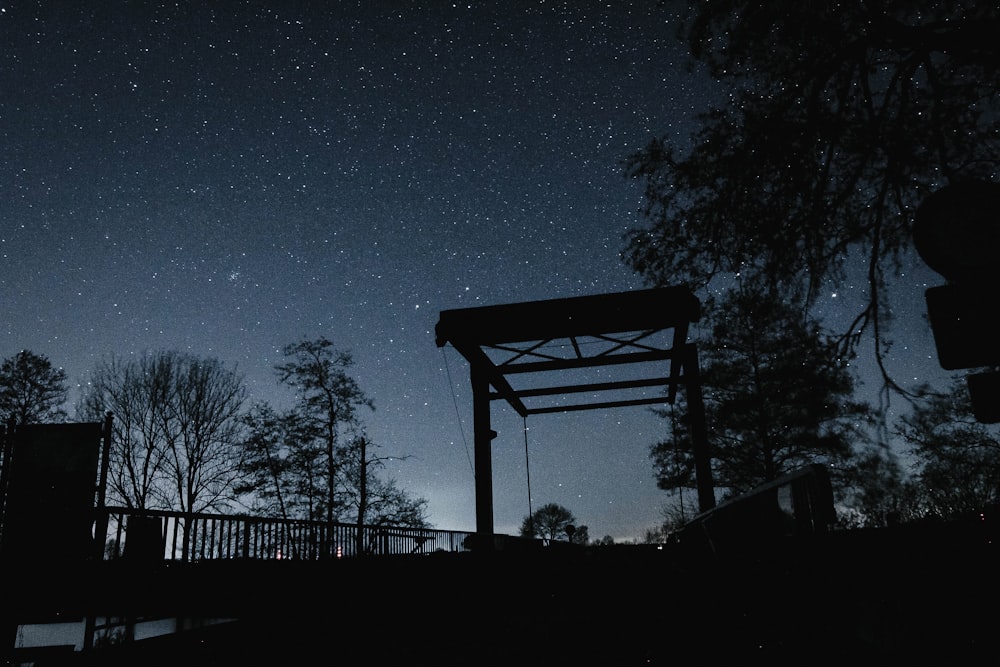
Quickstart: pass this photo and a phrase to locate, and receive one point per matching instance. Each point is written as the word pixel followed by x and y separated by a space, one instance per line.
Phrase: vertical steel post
pixel 483 437
pixel 699 433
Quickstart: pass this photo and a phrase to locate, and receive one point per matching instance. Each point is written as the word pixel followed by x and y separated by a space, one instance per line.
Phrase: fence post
pixel 101 521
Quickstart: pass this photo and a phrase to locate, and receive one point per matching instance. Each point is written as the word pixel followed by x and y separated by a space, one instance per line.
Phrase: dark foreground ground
pixel 922 595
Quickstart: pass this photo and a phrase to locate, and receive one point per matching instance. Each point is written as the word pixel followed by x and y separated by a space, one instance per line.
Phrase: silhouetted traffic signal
pixel 984 390
pixel 957 233
pixel 962 320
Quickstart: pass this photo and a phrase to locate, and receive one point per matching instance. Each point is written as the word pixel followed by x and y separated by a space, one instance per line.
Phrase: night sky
pixel 228 178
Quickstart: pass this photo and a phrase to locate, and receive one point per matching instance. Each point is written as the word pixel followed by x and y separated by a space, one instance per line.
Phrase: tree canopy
pixel 841 118
pixel 776 394
pixel 957 458
pixel 326 412
pixel 315 460
pixel 549 522
pixel 176 430
pixel 32 391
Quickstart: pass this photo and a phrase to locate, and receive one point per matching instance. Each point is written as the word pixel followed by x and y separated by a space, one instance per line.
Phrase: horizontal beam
pixel 638 310
pixel 586 362
pixel 597 406
pixel 580 388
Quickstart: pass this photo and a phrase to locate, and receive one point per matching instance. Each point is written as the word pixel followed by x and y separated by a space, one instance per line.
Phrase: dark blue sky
pixel 228 178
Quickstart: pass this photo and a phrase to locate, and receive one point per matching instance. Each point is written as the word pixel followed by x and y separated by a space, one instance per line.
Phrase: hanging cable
pixel 527 466
pixel 458 414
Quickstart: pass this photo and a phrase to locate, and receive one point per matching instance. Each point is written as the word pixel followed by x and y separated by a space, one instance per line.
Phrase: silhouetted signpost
pixel 957 233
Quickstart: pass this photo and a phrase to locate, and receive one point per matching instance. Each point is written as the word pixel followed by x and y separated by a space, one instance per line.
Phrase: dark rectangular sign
pixel 51 475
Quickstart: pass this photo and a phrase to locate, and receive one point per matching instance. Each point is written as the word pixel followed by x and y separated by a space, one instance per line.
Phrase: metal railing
pixel 195 536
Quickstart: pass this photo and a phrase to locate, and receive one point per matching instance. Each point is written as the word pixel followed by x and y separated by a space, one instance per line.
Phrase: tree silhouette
pixel 136 392
pixel 881 493
pixel 205 432
pixel 549 522
pixel 327 404
pixel 841 118
pixel 957 458
pixel 177 429
pixel 776 396
pixel 31 390
pixel 374 499
pixel 266 479
pixel 315 461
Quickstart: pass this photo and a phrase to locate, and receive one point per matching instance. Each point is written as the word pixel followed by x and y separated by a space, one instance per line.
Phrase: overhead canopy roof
pixel 567 335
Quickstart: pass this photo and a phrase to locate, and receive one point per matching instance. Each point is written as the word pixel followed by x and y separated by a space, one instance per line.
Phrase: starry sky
pixel 227 178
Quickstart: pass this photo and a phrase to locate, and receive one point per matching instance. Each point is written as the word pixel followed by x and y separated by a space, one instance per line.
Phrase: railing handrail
pixel 248 517
pixel 186 536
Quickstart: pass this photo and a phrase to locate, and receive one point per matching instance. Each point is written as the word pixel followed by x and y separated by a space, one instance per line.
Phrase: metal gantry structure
pixel 579 353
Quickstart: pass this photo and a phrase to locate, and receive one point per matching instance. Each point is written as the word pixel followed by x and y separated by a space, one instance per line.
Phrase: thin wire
pixel 458 415
pixel 527 467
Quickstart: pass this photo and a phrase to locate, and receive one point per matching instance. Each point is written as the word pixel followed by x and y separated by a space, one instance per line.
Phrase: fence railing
pixel 195 536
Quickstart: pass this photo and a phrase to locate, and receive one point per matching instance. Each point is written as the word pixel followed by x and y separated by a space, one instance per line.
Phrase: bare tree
pixel 177 429
pixel 205 431
pixel 136 391
pixel 374 499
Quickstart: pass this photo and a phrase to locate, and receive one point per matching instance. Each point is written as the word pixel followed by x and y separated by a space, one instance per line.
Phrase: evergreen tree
pixel 266 479
pixel 881 493
pixel 777 397
pixel 327 403
pixel 31 390
pixel 957 457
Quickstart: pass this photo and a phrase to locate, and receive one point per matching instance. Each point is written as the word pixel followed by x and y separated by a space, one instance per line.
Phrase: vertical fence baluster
pixel 212 537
